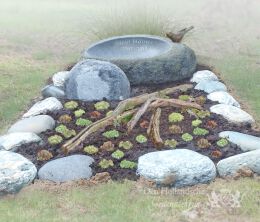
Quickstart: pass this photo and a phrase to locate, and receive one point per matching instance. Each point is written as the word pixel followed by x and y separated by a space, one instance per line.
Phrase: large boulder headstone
pixel 185 167
pixel 15 172
pixel 146 59
pixel 34 124
pixel 73 167
pixel 92 80
pixel 12 141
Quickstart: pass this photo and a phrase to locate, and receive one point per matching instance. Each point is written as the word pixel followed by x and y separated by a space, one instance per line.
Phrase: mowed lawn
pixel 38 38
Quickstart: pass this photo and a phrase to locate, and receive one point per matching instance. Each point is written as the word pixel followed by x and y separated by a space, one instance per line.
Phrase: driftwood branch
pixel 153 130
pixel 132 123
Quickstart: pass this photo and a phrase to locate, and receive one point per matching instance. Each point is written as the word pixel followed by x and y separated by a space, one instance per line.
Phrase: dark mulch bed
pixel 30 151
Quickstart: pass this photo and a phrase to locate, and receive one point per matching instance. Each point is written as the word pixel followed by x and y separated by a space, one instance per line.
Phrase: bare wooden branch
pixel 153 130
pixel 131 124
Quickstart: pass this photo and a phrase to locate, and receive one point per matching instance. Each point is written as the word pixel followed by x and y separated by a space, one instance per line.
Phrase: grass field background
pixel 38 38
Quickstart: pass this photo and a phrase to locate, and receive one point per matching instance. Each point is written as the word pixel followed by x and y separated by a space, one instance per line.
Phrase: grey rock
pixel 52 91
pixel 146 59
pixel 204 75
pixel 15 172
pixel 244 141
pixel 34 124
pixel 185 166
pixel 223 98
pixel 230 165
pixel 60 78
pixel 232 114
pixel 12 141
pixel 67 168
pixel 42 107
pixel 210 86
pixel 95 80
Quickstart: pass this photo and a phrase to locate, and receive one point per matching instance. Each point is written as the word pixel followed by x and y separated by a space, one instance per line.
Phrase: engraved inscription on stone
pixel 129 47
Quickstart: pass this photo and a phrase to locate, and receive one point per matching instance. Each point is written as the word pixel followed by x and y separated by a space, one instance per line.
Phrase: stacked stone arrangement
pixel 94 79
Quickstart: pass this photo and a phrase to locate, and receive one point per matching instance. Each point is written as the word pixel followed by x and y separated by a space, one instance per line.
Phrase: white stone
pixel 232 114
pixel 223 98
pixel 34 124
pixel 186 167
pixel 12 141
pixel 15 172
pixel 230 165
pixel 42 107
pixel 203 75
pixel 60 78
pixel 210 86
pixel 244 141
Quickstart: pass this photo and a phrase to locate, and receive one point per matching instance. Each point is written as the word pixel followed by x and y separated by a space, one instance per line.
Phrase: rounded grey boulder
pixel 176 168
pixel 34 124
pixel 92 80
pixel 146 59
pixel 73 167
pixel 52 91
pixel 15 172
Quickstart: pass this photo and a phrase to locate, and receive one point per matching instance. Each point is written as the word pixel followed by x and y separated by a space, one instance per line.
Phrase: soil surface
pixel 30 151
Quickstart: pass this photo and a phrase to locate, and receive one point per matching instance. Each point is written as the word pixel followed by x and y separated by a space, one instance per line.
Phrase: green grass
pixel 126 202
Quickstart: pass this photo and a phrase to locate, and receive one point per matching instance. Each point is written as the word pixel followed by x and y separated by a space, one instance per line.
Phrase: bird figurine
pixel 177 37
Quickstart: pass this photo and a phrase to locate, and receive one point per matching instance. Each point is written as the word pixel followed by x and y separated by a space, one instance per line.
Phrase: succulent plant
pixel 141 139
pixel 91 149
pixel 71 105
pixel 184 97
pixel 118 154
pixel 203 114
pixel 102 105
pixel 127 145
pixel 175 129
pixel 95 115
pixel 44 155
pixel 65 118
pixel 201 100
pixel 211 124
pixel 78 113
pixel 222 142
pixel 196 122
pixel 125 119
pixel 54 140
pixel 126 164
pixel 175 117
pixel 144 124
pixel 67 133
pixel 109 113
pixel 108 146
pixel 171 143
pixel 83 122
pixel 104 163
pixel 111 134
pixel 200 131
pixel 187 137
pixel 203 143
pixel 216 154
